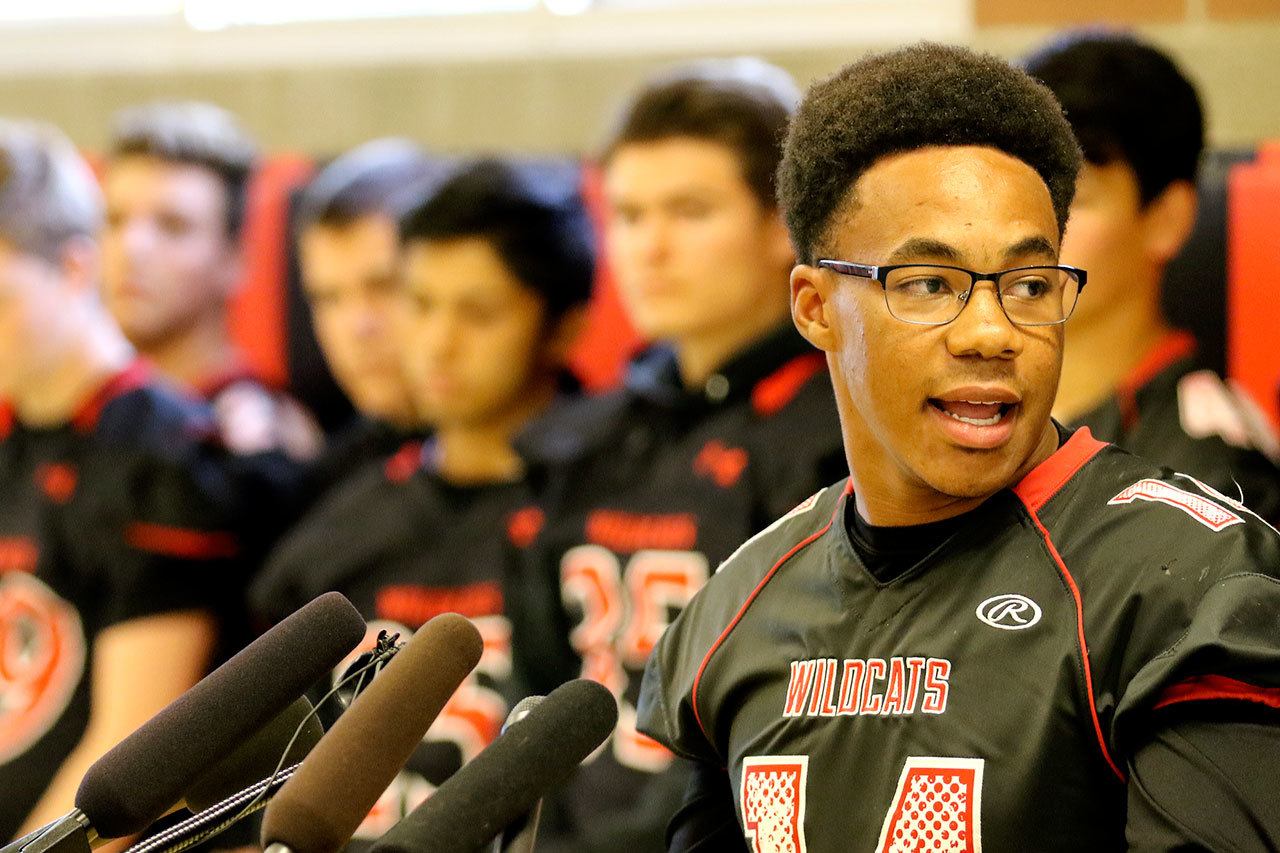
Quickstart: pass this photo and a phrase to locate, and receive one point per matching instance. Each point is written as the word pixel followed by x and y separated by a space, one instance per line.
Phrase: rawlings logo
pixel 1010 612
pixel 1209 513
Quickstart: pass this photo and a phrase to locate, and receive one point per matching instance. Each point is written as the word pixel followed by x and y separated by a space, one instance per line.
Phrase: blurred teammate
pixel 113 533
pixel 175 186
pixel 497 265
pixel 647 489
pixel 997 634
pixel 1127 375
pixel 348 251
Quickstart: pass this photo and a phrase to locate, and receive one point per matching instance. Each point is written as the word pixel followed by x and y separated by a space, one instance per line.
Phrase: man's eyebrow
pixel 1037 245
pixel 923 248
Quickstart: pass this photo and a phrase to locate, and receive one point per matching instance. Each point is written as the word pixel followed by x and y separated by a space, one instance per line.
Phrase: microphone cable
pixel 253 799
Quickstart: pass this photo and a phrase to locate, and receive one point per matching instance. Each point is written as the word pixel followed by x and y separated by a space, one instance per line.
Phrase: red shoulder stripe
pixel 772 394
pixel 179 542
pixel 724 635
pixel 214 384
pixel 6 420
pixel 1080 638
pixel 134 376
pixel 1208 687
pixel 1052 474
pixel 1170 348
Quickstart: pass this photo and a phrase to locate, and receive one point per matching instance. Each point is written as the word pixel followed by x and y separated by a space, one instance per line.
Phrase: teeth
pixel 991 421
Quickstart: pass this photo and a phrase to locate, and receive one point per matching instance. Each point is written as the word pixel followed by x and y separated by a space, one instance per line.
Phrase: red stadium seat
pixel 1253 261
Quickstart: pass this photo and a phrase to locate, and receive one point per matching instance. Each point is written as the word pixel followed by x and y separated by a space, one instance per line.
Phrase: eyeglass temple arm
pixel 850 268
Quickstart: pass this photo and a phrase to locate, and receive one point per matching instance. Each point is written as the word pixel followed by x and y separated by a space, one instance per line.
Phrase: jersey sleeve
pixel 1228 650
pixel 1205 780
pixel 681 694
pixel 176 543
pixel 1187 608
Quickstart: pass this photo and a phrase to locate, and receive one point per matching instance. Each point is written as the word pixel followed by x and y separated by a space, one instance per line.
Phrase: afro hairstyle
pixel 916 97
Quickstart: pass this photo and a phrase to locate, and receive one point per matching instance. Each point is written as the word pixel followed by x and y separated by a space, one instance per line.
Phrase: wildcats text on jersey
pixel 856 687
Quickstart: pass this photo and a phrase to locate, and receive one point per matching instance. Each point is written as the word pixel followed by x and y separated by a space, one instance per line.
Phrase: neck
pixel 197 354
pixel 476 453
pixel 893 503
pixel 97 352
pixel 1099 355
pixel 699 356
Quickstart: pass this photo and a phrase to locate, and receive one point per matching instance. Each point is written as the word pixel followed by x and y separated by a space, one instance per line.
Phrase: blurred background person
pixel 176 183
pixel 647 489
pixel 1127 375
pixel 115 553
pixel 497 266
pixel 348 249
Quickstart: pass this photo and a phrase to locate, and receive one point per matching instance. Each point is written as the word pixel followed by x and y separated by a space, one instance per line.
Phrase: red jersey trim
pixel 214 384
pixel 1172 347
pixel 132 377
pixel 772 394
pixel 724 635
pixel 1080 638
pixel 6 420
pixel 180 542
pixel 1202 688
pixel 1047 478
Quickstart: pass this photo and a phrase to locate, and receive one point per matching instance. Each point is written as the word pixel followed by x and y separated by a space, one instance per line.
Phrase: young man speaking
pixel 997 634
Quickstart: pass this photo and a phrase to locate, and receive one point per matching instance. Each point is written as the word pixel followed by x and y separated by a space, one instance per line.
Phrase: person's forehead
pixel 371 232
pixel 672 165
pixel 144 175
pixel 963 195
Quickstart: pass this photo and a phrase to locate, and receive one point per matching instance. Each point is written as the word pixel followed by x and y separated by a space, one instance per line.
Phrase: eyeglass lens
pixel 1037 296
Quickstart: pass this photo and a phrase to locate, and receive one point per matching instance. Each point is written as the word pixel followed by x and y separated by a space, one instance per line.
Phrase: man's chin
pixel 971 474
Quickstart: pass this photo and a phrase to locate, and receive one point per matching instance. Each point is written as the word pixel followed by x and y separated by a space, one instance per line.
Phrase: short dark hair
pixel 743 104
pixel 192 133
pixel 916 97
pixel 1127 102
pixel 534 216
pixel 384 176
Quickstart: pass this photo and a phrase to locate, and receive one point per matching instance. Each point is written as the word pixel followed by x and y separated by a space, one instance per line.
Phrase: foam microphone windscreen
pixel 535 755
pixel 259 756
pixel 144 775
pixel 319 809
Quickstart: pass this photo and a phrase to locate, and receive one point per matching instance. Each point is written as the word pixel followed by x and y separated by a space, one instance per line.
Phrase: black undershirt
pixel 887 552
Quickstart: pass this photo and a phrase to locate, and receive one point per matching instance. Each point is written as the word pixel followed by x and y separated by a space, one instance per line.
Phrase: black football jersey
pixel 991 694
pixel 1172 412
pixel 404 546
pixel 641 494
pixel 120 514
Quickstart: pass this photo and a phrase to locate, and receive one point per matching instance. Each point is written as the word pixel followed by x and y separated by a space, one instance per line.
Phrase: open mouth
pixel 978 413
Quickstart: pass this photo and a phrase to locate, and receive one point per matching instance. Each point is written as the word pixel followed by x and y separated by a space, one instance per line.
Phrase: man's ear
pixel 80 262
pixel 1168 219
pixel 810 306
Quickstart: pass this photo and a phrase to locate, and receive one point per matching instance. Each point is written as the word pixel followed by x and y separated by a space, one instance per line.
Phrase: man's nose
pixel 982 328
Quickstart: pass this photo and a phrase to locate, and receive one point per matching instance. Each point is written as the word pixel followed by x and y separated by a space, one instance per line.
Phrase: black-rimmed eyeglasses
pixel 934 294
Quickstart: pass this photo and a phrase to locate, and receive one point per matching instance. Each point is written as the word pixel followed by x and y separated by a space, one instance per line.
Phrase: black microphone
pixel 148 772
pixel 520 835
pixel 296 728
pixel 319 809
pixel 500 784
